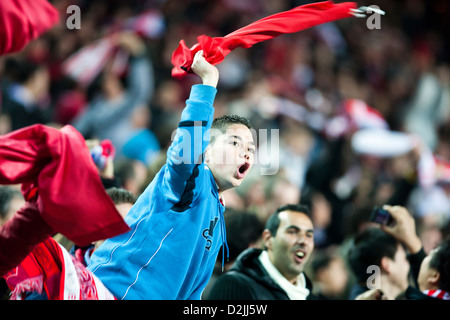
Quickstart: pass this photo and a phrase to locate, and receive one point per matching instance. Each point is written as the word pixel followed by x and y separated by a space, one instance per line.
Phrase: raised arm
pixel 206 71
pixel 141 82
pixel 404 229
pixel 185 155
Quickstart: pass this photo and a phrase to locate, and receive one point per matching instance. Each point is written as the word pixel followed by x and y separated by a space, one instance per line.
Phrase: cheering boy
pixel 177 224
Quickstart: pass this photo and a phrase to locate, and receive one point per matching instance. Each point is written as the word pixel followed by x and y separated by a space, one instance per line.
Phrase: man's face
pixel 231 156
pixel 293 244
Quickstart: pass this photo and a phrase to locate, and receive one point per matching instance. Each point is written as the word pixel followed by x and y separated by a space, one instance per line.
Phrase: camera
pixel 381 216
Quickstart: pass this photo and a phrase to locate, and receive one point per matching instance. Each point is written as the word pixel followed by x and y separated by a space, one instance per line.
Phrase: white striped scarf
pixel 440 294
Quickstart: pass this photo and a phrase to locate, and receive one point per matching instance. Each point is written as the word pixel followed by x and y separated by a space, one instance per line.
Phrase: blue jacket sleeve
pixel 190 141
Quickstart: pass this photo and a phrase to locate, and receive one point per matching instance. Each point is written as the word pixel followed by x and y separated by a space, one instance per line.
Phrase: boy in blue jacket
pixel 177 224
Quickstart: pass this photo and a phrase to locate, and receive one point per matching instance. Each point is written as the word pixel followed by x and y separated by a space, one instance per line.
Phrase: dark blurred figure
pixel 11 200
pixel 26 96
pixel 244 231
pixel 330 275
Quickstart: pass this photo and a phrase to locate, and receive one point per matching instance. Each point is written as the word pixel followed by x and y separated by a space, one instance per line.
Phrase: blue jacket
pixel 177 226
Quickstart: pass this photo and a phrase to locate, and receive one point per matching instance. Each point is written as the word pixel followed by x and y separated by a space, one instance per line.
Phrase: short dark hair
pixel 441 262
pixel 120 195
pixel 368 248
pixel 243 228
pixel 273 222
pixel 223 122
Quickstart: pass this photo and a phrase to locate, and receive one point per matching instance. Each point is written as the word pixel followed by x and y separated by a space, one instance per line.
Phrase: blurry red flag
pixel 294 20
pixel 22 21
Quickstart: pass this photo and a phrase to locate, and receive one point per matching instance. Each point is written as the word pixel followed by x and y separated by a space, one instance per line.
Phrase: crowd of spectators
pixel 291 86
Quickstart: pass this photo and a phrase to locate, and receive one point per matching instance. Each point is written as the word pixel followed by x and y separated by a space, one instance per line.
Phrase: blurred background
pixel 325 90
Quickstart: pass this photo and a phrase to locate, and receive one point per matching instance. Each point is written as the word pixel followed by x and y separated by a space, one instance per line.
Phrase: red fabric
pixel 19 236
pixel 22 21
pixel 294 20
pixel 40 271
pixel 49 268
pixel 63 189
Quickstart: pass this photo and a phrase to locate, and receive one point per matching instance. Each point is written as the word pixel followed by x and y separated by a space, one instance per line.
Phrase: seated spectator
pixel 275 273
pixel 329 274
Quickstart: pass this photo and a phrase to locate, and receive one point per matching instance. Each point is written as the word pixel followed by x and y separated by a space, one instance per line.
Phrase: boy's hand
pixel 206 71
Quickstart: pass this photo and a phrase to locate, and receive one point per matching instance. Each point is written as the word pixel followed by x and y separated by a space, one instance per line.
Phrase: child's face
pixel 231 156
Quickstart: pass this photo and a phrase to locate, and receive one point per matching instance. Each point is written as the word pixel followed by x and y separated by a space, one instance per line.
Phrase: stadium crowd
pixel 298 90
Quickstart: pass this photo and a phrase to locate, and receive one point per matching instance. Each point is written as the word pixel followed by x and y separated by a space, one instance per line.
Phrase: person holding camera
pixel 430 273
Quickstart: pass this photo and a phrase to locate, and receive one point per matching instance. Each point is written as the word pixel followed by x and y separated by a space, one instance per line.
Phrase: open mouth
pixel 242 170
pixel 299 256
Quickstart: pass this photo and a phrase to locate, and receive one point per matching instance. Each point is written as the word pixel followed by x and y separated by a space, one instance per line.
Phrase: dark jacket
pixel 415 294
pixel 248 280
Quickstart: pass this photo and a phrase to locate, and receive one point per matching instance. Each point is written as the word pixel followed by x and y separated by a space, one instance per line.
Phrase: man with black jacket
pixel 275 273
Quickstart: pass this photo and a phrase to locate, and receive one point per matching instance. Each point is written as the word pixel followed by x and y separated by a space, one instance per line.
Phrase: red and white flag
pixel 50 269
pixel 86 64
pixel 362 116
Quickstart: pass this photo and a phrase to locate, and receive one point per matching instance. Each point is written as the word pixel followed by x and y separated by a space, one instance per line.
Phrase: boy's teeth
pixel 300 254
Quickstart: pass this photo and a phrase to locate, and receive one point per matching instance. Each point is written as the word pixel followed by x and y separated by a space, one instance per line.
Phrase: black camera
pixel 381 216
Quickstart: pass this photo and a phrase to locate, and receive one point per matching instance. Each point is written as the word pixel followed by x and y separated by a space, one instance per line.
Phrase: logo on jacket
pixel 208 233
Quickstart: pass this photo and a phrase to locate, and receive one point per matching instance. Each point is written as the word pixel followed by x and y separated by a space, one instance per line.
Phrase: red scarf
pixel 51 269
pixel 294 20
pixel 62 188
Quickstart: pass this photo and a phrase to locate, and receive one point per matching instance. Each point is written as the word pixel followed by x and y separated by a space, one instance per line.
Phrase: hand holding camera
pixel 398 222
